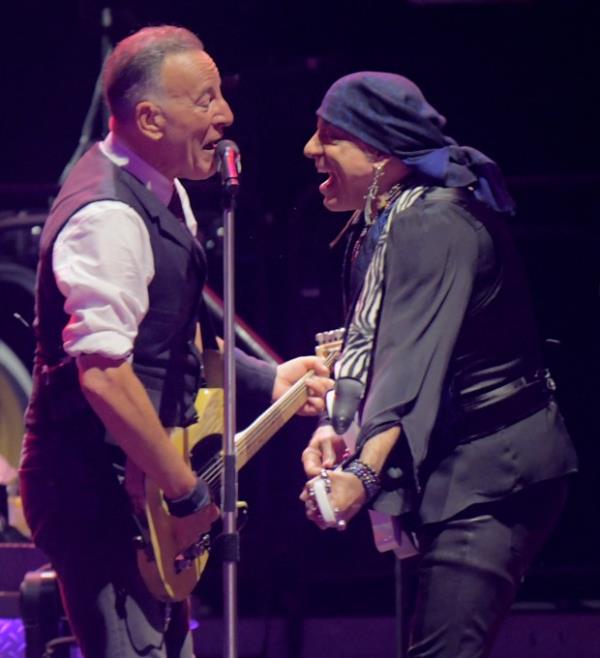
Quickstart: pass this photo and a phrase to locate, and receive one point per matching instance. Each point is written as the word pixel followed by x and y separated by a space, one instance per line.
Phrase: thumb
pixel 328 454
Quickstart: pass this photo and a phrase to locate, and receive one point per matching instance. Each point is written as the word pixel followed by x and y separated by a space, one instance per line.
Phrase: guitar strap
pixel 212 361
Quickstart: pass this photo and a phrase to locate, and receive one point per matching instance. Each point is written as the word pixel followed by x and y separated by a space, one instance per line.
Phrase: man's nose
pixel 225 116
pixel 313 148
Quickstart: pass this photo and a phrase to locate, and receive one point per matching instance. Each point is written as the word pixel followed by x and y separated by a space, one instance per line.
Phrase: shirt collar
pixel 123 156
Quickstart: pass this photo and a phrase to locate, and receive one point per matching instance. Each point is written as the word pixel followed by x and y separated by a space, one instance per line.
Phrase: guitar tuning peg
pixel 331 336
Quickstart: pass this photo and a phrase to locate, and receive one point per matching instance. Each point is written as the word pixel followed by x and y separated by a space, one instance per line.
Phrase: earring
pixel 373 190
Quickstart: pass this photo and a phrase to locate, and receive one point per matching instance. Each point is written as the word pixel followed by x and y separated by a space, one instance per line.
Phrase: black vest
pixel 164 356
pixel 495 376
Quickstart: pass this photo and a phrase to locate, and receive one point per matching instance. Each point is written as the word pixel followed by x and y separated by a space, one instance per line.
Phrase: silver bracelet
pixel 369 478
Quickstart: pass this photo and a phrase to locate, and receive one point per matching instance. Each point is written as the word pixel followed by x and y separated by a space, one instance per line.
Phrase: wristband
pixel 198 498
pixel 369 478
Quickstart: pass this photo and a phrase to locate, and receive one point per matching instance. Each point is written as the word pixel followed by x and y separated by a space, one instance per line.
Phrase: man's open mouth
pixel 327 184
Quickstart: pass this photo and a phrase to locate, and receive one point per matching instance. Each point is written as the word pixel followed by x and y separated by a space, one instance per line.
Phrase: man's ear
pixel 150 120
pixel 396 168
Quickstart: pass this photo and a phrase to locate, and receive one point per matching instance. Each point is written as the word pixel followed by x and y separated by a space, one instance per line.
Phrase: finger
pixel 304 495
pixel 314 516
pixel 328 457
pixel 312 461
pixel 308 492
pixel 318 365
pixel 312 407
pixel 318 386
pixel 321 452
pixel 311 508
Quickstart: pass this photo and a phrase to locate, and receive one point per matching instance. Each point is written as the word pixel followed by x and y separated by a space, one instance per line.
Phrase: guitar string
pixel 214 467
pixel 271 418
pixel 216 464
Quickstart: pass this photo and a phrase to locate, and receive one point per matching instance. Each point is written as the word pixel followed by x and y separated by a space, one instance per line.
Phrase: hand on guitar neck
pixel 318 384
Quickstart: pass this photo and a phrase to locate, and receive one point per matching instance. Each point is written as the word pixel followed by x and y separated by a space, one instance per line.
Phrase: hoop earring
pixel 373 190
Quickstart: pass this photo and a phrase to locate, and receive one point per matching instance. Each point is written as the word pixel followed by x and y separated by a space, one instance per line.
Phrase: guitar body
pixel 168 537
pixel 172 552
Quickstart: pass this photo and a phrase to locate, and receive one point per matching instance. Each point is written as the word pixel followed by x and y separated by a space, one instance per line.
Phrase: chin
pixel 202 167
pixel 333 204
pixel 200 173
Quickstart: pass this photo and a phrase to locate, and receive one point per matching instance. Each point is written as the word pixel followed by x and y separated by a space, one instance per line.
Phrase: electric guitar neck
pixel 171 571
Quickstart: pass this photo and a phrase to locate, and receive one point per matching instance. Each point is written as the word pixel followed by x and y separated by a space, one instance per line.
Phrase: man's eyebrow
pixel 325 130
pixel 205 89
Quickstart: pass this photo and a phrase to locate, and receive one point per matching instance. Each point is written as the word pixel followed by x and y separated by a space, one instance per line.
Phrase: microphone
pixel 229 165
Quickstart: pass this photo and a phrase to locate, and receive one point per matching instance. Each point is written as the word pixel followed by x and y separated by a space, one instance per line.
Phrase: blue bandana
pixel 389 113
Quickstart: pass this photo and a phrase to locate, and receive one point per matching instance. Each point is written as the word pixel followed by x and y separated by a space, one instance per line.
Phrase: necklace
pixel 390 196
pixel 384 201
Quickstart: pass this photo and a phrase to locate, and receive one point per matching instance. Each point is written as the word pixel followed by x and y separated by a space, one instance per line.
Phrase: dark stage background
pixel 517 80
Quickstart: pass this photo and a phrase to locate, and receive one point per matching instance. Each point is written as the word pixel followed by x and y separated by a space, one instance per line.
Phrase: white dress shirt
pixel 103 263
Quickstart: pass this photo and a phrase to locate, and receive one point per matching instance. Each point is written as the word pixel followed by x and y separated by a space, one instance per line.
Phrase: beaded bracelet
pixel 369 478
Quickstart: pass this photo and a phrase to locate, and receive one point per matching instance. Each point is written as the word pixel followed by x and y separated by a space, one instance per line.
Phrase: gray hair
pixel 132 71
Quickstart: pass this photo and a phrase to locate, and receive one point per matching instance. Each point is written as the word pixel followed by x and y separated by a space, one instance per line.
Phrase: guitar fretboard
pixel 250 440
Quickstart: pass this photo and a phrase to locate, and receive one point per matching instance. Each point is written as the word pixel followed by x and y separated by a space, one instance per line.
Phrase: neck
pixel 394 174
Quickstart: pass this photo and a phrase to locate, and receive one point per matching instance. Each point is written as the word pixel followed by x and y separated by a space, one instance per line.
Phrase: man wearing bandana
pixel 459 434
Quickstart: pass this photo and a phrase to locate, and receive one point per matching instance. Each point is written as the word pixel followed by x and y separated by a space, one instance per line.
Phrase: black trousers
pixel 80 517
pixel 471 567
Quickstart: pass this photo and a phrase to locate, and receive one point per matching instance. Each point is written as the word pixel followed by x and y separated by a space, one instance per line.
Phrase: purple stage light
pixel 12 638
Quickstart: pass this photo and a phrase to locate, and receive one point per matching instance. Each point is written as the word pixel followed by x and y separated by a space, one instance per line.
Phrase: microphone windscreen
pixel 228 159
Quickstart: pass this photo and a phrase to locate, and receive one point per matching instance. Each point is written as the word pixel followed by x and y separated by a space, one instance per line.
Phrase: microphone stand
pixel 96 105
pixel 230 539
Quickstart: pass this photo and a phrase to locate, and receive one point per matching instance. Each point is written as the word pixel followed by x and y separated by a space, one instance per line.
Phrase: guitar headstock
pixel 329 343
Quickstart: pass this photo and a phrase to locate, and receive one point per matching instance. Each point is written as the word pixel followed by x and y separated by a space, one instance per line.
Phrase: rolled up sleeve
pixel 103 264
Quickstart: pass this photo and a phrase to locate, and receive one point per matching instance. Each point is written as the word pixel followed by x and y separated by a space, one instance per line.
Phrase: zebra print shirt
pixel 360 333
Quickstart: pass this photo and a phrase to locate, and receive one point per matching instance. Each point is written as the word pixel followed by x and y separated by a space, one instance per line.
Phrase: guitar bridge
pixel 186 558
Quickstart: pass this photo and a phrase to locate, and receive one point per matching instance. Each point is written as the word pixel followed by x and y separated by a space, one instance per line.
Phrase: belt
pixel 503 406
